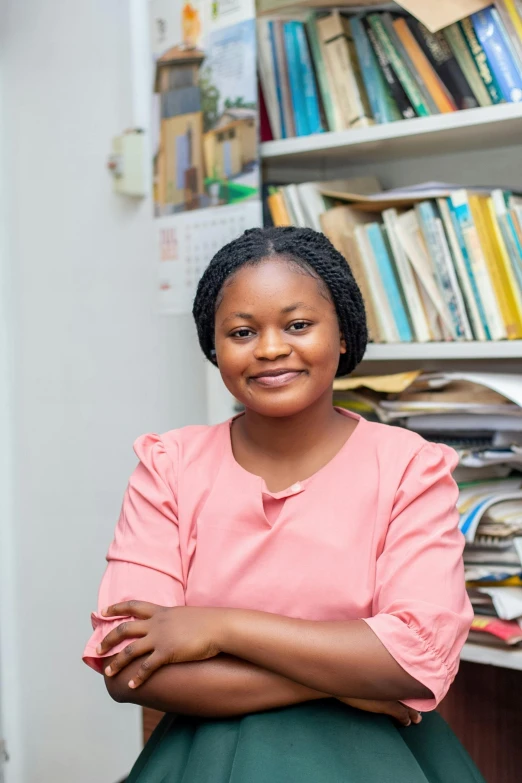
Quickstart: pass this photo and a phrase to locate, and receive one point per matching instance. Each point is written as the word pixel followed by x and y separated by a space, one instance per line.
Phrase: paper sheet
pixel 506 600
pixel 441 13
pixel 391 384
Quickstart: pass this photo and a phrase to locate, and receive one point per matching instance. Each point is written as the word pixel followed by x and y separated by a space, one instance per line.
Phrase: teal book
pixel 384 108
pixel 320 70
pixel 294 77
pixel 310 94
pixel 391 286
pixel 481 60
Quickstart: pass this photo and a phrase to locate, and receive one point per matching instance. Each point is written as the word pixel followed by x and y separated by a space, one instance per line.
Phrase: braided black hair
pixel 308 249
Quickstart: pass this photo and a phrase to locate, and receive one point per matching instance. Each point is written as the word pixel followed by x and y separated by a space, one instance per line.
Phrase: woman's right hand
pixel 395 709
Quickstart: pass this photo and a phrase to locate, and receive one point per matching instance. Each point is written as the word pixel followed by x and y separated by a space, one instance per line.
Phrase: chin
pixel 277 405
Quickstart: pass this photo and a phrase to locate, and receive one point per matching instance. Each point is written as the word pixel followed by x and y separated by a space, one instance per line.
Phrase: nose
pixel 271 344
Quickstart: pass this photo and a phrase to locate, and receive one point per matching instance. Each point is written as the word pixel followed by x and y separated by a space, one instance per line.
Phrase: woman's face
pixel 277 338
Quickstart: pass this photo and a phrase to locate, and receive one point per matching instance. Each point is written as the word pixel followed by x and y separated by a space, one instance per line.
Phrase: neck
pixel 289 435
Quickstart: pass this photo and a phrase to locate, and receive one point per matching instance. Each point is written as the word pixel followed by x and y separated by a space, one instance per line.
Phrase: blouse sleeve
pixel 421 612
pixel 144 560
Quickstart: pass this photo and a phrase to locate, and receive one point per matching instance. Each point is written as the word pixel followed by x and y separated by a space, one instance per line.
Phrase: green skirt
pixel 317 742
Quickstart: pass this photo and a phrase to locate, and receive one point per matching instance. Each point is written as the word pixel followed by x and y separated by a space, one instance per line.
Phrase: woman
pixel 286 581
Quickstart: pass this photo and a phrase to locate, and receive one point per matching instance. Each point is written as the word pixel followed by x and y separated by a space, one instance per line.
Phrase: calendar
pixel 188 241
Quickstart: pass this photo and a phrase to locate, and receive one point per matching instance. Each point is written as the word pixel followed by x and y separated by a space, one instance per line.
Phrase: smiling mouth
pixel 277 378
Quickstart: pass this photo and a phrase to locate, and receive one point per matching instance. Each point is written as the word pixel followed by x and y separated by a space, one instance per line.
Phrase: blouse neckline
pixel 298 486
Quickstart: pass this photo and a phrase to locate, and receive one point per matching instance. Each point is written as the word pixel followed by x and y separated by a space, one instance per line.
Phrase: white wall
pixel 93 367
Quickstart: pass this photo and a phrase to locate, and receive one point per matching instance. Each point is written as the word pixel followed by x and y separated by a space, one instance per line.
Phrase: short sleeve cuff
pixel 102 627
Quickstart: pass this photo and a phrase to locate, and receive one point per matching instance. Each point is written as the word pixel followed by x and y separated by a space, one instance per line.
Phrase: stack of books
pixel 331 72
pixel 480 416
pixel 434 262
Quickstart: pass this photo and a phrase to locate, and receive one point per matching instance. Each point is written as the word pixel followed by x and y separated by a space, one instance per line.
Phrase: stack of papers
pixel 480 416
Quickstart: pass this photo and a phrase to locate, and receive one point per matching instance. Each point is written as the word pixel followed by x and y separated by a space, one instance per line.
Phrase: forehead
pixel 273 283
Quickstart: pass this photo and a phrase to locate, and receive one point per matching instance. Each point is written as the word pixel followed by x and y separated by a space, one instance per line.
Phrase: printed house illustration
pixel 231 145
pixel 179 163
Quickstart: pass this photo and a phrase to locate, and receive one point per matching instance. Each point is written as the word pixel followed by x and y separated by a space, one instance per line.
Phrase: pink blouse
pixel 371 535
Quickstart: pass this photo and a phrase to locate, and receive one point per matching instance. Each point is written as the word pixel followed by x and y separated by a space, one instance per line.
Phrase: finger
pixel 400 713
pixel 129 653
pixel 140 609
pixel 147 668
pixel 415 716
pixel 130 629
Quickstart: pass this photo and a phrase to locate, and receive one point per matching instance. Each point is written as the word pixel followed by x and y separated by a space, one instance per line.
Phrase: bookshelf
pixel 449 351
pixel 472 129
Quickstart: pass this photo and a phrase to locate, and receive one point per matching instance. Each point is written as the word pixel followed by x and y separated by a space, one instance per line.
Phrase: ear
pixel 342 348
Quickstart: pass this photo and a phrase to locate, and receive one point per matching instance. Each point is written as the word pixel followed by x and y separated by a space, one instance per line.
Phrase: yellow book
pixel 482 221
pixel 515 18
pixel 506 267
pixel 277 208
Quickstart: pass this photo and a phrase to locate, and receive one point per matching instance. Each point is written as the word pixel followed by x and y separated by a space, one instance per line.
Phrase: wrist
pixel 228 623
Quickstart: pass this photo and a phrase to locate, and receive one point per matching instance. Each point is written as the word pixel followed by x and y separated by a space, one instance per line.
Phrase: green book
pixel 408 83
pixel 320 70
pixel 479 55
pixel 457 43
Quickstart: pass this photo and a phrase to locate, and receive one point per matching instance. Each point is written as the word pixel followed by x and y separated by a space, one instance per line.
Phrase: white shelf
pixel 505 349
pixel 487 127
pixel 507 659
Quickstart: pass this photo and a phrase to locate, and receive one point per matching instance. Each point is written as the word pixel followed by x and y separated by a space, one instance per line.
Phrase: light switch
pixel 128 164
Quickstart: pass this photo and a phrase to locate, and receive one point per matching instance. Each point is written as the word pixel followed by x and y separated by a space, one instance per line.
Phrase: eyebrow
pixel 284 311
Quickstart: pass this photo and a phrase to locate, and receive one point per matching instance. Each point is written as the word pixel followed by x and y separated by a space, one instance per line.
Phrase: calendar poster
pixel 186 244
pixel 205 106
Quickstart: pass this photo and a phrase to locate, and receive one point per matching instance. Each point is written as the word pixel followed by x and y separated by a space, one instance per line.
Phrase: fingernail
pixel 132 684
pixel 108 671
pixel 105 611
pixel 409 723
pixel 99 649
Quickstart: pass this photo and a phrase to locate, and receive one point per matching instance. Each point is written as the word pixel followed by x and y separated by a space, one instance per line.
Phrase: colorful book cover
pixel 383 106
pixel 481 60
pixel 506 270
pixel 396 89
pixel 296 87
pixel 278 78
pixel 489 32
pixel 311 98
pixel 457 43
pixel 322 76
pixel 402 73
pixel 374 233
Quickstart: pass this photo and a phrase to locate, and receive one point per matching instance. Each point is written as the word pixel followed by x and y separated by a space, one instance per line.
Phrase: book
pixel 302 126
pixel 464 272
pixel 407 277
pixel 457 43
pixel 401 71
pixel 509 283
pixel 311 97
pixel 435 240
pixel 333 119
pixel 267 76
pixel 439 53
pixel 387 275
pixel 488 28
pixel 383 106
pixel 395 87
pixel 277 78
pixel 463 213
pixel 339 50
pixel 481 60
pixel 439 94
pixel 513 26
pixel 277 207
pixel 282 80
pixel 382 307
pixel 507 224
pixel 508 632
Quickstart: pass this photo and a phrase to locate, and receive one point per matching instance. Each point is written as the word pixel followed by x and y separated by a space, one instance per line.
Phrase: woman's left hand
pixel 170 634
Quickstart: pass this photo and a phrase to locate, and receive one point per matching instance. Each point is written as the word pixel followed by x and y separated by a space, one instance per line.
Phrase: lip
pixel 276 378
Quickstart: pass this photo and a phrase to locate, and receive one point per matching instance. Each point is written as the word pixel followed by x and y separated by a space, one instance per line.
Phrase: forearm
pixel 217 688
pixel 341 658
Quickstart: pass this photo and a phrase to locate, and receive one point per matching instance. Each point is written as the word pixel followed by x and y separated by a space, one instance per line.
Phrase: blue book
pixel 384 108
pixel 307 75
pixel 277 77
pixel 302 127
pixel 385 267
pixel 500 59
pixel 469 268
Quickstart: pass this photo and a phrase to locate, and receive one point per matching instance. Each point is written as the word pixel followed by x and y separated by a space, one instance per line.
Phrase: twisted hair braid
pixel 308 249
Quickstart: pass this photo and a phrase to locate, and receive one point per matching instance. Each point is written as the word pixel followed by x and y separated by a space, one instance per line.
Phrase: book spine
pixel 427 221
pixel 395 87
pixel 509 28
pixel 322 77
pixel 442 99
pixel 384 265
pixel 457 43
pixel 403 75
pixel 508 278
pixel 382 307
pixel 311 97
pixel 286 109
pixel 489 33
pixel 459 202
pixel 481 60
pixel 296 89
pixel 439 54
pixel 382 105
pixel 277 77
pixel 410 66
pixel 267 76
